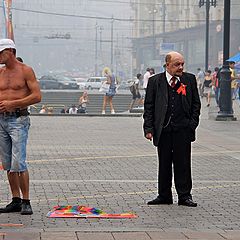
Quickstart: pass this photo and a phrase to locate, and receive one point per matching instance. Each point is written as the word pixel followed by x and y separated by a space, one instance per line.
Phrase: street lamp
pixel 208 4
pixel 164 16
pixel 225 100
pixel 112 21
pixel 153 12
pixel 96 49
pixel 100 32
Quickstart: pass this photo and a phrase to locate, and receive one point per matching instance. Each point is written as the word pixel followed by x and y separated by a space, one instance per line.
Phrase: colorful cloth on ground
pixel 84 212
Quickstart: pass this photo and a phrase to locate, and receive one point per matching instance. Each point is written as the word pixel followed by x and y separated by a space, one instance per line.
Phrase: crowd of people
pixel 209 83
pixel 73 109
pixel 109 90
pixel 139 83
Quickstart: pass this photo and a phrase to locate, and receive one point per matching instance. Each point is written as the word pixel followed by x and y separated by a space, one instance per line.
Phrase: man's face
pixel 175 65
pixel 4 56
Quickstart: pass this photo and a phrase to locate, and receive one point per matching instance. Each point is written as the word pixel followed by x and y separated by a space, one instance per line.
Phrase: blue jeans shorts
pixel 111 92
pixel 13 142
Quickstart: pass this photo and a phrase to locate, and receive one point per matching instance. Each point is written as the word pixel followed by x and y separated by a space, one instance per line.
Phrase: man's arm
pixel 34 89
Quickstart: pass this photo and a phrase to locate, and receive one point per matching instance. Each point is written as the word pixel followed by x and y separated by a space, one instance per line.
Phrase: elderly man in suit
pixel 171 115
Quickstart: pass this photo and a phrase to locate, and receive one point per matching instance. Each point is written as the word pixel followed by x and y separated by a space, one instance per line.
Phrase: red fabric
pixel 215 79
pixel 173 82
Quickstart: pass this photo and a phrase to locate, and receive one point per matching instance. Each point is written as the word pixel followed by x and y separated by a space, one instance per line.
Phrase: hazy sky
pixel 35 21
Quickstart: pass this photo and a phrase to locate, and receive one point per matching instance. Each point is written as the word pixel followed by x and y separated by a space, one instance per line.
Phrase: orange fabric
pixel 182 89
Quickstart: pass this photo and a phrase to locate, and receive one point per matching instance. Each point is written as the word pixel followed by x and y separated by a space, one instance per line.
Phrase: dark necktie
pixel 173 82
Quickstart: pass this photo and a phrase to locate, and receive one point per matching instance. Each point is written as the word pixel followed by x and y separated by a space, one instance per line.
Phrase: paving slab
pixel 95 236
pixel 166 235
pixel 203 235
pixel 131 236
pixel 22 236
pixel 58 235
pixel 231 234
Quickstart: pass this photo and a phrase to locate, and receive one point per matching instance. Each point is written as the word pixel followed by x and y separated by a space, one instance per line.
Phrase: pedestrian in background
pixel 18 90
pixel 146 76
pixel 136 96
pixel 215 83
pixel 73 109
pixel 108 97
pixel 64 110
pixel 200 79
pixel 207 86
pixel 171 115
pixel 152 71
pixel 50 110
pixel 234 82
pixel 83 101
pixel 43 109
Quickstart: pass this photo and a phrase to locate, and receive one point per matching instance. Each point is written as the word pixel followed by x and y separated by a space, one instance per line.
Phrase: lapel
pixel 162 85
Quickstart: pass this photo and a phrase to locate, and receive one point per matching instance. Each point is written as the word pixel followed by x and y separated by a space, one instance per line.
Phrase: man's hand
pixel 6 106
pixel 149 136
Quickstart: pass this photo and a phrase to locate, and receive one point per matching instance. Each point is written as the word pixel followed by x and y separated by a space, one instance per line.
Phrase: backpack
pixel 132 88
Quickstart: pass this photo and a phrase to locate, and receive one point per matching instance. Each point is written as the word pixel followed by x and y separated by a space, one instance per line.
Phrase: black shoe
pixel 158 201
pixel 188 202
pixel 26 209
pixel 12 207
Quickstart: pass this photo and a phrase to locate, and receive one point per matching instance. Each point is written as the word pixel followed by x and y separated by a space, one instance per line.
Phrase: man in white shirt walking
pixel 145 78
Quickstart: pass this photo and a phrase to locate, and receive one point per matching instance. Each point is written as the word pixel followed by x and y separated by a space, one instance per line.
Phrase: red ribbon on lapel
pixel 182 89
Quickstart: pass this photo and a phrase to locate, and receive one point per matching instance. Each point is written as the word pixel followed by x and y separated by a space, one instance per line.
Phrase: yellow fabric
pixel 233 75
pixel 234 84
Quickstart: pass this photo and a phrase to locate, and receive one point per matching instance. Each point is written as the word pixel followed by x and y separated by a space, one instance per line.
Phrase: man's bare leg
pixel 24 184
pixel 19 181
pixel 16 204
pixel 13 178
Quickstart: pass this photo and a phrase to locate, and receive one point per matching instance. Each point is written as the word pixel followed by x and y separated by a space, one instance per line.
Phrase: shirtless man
pixel 18 89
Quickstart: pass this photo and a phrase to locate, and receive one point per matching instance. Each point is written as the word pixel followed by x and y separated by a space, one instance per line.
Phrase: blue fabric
pixel 235 58
pixel 112 89
pixel 13 141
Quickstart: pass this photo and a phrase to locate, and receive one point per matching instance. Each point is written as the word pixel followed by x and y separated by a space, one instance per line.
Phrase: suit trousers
pixel 174 149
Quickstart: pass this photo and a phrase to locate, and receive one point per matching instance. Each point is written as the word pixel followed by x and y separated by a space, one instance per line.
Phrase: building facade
pixel 180 25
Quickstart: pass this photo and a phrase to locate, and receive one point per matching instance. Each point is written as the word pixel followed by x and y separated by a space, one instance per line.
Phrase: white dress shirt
pixel 169 78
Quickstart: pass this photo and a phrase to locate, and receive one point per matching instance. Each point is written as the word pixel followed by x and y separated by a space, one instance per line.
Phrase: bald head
pixel 174 63
pixel 172 55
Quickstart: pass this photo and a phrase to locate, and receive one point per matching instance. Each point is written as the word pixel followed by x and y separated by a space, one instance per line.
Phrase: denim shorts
pixel 13 142
pixel 111 92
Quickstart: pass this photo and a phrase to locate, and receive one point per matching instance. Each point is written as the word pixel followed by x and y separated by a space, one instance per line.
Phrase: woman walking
pixel 208 86
pixel 111 91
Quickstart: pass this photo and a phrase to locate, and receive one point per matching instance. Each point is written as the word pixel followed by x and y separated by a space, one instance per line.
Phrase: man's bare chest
pixel 11 80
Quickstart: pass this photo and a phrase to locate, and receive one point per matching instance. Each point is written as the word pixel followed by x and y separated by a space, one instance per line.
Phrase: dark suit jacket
pixel 156 103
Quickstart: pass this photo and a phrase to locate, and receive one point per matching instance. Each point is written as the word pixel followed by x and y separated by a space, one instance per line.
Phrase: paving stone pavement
pixel 105 162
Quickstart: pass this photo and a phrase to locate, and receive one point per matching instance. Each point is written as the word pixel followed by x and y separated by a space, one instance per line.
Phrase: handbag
pixel 104 87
